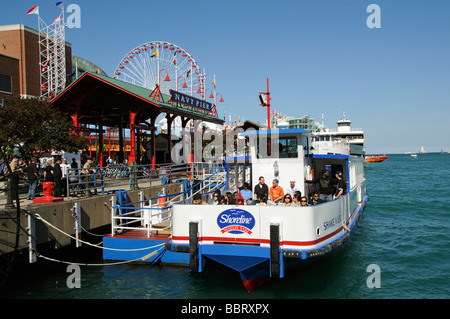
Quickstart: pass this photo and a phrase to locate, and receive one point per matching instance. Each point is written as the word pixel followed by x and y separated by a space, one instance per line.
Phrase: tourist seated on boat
pixel 246 192
pixel 238 200
pixel 287 201
pixel 315 199
pixel 303 201
pixel 215 199
pixel 291 188
pixel 326 188
pixel 221 200
pixel 229 199
pixel 198 200
pixel 296 198
pixel 276 192
pixel 263 201
pixel 260 190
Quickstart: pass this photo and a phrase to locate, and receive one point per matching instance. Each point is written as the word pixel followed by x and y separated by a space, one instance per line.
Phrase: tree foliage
pixel 31 125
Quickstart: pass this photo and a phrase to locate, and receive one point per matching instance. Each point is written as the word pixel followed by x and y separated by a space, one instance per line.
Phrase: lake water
pixel 404 230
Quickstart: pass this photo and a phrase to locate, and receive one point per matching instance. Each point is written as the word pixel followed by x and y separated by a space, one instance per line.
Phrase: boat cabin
pixel 288 155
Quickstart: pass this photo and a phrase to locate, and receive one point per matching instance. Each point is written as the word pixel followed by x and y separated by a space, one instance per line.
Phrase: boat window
pixel 287 148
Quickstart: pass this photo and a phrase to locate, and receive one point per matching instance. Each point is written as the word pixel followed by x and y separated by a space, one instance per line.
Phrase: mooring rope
pixel 90 244
pixel 85 230
pixel 143 258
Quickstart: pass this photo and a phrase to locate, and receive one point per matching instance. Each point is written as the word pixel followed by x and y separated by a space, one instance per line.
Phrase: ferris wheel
pixel 161 64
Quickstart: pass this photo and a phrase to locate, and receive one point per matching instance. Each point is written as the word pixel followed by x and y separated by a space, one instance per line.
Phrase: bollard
pixel 47 187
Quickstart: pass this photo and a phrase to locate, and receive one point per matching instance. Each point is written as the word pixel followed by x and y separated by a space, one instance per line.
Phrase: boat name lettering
pixel 236 221
pixel 332 222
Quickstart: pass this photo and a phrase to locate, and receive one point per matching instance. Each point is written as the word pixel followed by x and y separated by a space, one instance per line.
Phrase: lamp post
pixel 184 84
pixel 266 102
pixel 215 101
pixel 211 96
pixel 199 89
pixel 159 77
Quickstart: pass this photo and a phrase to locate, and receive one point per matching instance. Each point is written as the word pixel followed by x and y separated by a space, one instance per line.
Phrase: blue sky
pixel 319 56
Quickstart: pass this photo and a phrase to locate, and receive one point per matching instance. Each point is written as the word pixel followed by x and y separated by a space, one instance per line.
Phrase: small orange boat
pixel 372 159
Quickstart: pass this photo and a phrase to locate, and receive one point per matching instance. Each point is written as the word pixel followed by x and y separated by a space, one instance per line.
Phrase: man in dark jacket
pixel 261 190
pixel 57 177
pixel 326 188
pixel 33 177
pixel 341 185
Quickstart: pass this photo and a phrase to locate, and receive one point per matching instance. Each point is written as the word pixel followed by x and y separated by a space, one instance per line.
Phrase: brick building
pixel 19 61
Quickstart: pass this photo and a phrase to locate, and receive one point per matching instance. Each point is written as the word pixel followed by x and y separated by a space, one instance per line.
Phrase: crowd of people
pixel 277 195
pixel 56 171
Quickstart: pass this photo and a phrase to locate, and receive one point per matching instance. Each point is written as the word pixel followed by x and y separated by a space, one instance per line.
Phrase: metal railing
pixel 155 214
pixel 101 180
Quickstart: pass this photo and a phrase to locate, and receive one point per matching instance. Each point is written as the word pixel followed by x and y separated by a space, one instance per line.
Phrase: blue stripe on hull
pixel 129 249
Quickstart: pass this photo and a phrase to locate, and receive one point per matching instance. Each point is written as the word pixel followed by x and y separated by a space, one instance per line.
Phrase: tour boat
pixel 259 242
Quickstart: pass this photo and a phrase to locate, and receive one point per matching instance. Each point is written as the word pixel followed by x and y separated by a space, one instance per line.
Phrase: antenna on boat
pixel 264 98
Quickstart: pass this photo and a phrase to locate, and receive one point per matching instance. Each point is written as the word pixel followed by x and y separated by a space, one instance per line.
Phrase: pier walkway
pixel 93 212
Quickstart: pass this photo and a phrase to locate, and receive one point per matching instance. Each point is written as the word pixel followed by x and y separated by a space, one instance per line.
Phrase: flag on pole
pixel 97 70
pixel 175 58
pixel 214 81
pixel 188 72
pixel 155 54
pixel 33 10
pixel 60 5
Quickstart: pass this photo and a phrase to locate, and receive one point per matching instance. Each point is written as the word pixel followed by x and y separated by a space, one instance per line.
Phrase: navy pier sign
pixel 185 99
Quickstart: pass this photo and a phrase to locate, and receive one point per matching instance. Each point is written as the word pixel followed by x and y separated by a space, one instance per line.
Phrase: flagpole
pixel 268 104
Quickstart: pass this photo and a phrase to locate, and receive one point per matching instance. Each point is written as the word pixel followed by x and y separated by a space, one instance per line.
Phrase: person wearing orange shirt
pixel 276 192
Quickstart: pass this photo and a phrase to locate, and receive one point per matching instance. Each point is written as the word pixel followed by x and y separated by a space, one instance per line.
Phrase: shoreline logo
pixel 236 221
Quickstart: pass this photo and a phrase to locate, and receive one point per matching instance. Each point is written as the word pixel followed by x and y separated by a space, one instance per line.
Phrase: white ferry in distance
pixel 344 134
pixel 260 242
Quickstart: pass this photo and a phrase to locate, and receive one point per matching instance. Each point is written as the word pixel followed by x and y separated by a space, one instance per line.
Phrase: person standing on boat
pixel 326 188
pixel 261 190
pixel 341 185
pixel 276 192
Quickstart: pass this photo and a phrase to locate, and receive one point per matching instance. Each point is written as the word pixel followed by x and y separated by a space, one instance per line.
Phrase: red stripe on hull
pixel 261 241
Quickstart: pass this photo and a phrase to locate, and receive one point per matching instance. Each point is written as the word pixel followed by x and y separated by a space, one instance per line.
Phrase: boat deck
pixel 135 245
pixel 142 234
